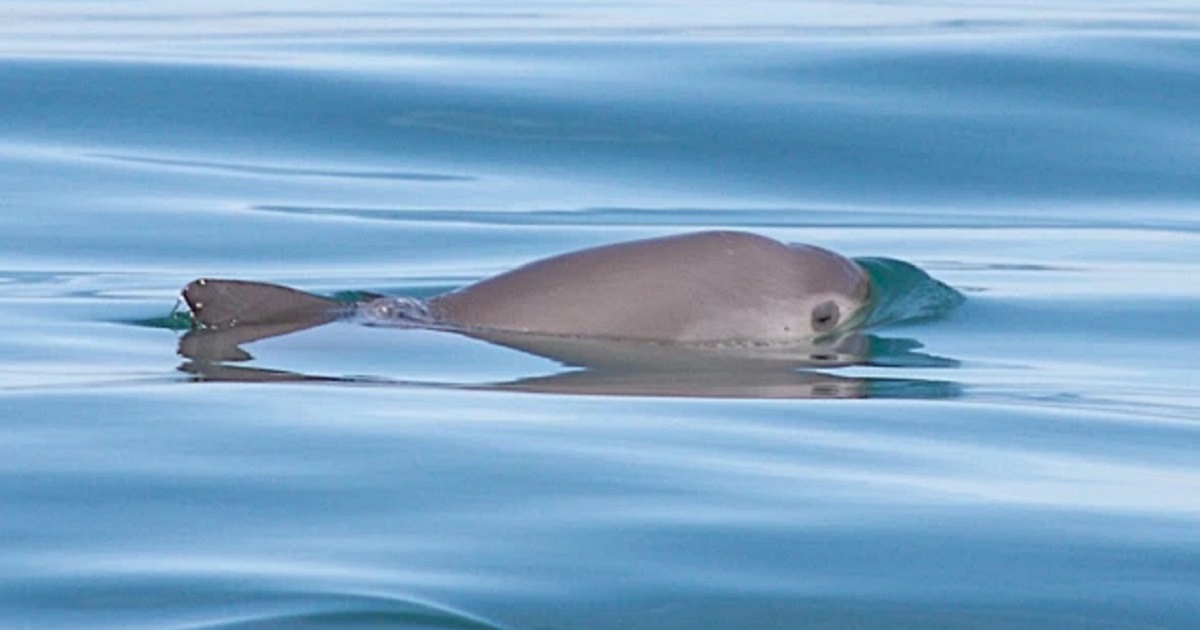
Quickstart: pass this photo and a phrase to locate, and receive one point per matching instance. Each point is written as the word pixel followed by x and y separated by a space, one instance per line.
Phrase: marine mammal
pixel 725 314
pixel 711 287
pixel 701 287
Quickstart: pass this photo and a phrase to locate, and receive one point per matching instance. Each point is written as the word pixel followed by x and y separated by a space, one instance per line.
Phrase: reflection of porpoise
pixel 706 287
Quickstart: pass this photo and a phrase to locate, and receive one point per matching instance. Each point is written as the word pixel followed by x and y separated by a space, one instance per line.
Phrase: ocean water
pixel 1030 459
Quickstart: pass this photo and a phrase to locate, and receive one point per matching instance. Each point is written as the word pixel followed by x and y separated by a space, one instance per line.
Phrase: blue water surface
pixel 1028 460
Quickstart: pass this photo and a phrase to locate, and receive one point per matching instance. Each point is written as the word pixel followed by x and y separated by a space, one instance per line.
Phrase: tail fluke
pixel 228 303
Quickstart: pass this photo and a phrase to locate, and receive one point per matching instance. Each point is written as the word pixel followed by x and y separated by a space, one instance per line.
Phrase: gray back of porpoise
pixel 702 287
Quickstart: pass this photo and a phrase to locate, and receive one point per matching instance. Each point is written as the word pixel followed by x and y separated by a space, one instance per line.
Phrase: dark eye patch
pixel 825 316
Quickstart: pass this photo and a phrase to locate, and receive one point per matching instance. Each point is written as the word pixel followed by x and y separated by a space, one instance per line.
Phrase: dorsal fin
pixel 226 303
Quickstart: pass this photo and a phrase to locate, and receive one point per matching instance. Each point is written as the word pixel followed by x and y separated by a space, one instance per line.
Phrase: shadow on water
pixel 635 368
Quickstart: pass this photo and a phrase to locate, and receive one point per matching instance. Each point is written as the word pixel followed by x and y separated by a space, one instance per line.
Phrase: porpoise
pixel 716 287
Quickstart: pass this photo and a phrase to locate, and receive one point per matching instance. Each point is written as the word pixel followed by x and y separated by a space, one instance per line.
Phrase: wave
pixel 905 292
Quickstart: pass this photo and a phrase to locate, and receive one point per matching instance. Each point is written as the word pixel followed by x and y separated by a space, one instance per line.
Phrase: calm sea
pixel 1029 461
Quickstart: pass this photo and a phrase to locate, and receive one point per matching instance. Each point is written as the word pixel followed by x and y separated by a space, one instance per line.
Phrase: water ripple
pixel 281 171
pixel 357 613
